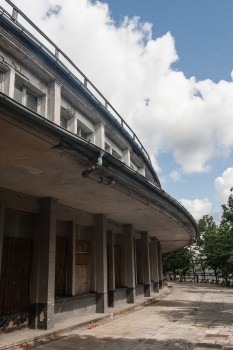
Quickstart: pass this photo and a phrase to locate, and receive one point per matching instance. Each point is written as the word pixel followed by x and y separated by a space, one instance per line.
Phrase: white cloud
pixel 175 175
pixel 169 112
pixel 197 207
pixel 223 185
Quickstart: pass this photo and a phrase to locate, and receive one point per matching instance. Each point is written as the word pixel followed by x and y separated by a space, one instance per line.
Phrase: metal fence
pixel 203 278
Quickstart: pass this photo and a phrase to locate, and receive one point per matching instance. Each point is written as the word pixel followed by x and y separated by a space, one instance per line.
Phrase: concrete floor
pixel 192 316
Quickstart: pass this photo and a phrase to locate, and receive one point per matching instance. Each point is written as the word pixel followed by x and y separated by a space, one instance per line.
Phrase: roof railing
pixel 59 55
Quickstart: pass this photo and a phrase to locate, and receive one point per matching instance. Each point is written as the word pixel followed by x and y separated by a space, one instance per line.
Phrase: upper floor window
pixel 26 97
pixel 116 154
pixel 64 122
pixel 1 81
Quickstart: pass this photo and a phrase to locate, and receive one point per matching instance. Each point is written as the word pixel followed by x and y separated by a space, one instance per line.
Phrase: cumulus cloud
pixel 223 185
pixel 197 207
pixel 175 175
pixel 168 111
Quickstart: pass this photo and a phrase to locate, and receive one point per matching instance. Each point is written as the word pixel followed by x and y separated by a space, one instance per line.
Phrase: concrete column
pixel 43 281
pixel 129 263
pixel 146 264
pixel 111 268
pixel 126 156
pixel 54 102
pixel 73 125
pixel 154 265
pixel 9 86
pixel 71 258
pixel 101 264
pixel 2 217
pixel 93 262
pixel 160 265
pixel 142 171
pixel 100 135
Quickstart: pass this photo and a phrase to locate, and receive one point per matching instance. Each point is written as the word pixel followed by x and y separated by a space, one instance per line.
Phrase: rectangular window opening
pixel 64 122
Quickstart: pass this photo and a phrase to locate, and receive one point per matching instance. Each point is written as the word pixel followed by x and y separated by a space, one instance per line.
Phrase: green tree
pixel 177 262
pixel 212 249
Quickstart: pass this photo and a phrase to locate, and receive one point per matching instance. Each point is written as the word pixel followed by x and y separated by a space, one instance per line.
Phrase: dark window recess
pixel 83 135
pixel 31 101
pixel 18 93
pixel 64 122
pixel 25 97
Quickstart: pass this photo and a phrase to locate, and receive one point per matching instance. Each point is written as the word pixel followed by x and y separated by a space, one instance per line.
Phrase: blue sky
pixel 166 66
pixel 203 31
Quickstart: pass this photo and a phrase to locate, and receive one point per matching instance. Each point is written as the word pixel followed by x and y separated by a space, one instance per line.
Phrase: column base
pixel 156 287
pixel 161 284
pixel 101 302
pixel 41 316
pixel 111 294
pixel 147 290
pixel 131 295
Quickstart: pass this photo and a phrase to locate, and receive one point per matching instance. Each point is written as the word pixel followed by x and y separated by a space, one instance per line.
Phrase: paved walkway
pixel 192 316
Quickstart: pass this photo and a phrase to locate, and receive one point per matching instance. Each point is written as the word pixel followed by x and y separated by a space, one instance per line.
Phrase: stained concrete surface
pixel 192 316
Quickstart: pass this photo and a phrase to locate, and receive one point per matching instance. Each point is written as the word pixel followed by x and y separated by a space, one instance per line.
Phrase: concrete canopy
pixel 40 159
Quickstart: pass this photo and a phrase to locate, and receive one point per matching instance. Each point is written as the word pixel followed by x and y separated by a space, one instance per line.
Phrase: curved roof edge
pixel 97 97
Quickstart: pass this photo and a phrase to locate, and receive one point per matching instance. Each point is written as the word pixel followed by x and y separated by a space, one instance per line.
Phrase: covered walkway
pixel 186 316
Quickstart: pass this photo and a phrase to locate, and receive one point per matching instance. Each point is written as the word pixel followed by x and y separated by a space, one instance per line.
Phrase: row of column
pixel 151 265
pixel 43 276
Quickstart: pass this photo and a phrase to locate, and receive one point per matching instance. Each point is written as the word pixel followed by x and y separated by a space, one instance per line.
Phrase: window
pixel 64 122
pixel 18 93
pixel 26 97
pixel 83 134
pixel 1 81
pixel 31 101
pixel 116 154
pixel 107 147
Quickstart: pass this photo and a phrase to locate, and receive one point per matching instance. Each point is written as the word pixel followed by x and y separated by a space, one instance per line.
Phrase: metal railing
pixel 61 57
pixel 64 61
pixel 200 277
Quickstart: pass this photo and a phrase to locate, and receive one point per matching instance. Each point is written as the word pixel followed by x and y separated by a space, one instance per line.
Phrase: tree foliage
pixel 212 250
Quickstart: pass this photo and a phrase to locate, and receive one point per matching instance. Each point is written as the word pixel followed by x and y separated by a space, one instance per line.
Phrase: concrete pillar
pixel 100 135
pixel 126 156
pixel 111 268
pixel 71 258
pixel 43 281
pixel 101 264
pixel 129 263
pixel 54 102
pixel 93 262
pixel 146 264
pixel 160 265
pixel 142 171
pixel 2 217
pixel 73 125
pixel 154 265
pixel 9 86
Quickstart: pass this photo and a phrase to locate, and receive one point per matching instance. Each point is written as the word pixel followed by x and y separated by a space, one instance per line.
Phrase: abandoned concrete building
pixel 83 217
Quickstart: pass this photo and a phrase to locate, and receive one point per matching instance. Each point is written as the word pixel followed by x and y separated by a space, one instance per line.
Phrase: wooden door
pixel 15 276
pixel 117 259
pixel 61 266
pixel 82 268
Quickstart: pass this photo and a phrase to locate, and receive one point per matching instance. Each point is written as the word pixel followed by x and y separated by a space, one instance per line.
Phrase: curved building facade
pixel 83 218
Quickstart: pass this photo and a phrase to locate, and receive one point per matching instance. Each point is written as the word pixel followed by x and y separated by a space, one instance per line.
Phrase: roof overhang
pixel 41 159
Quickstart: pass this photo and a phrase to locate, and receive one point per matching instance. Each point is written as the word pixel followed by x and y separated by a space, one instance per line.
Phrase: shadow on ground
pixel 73 342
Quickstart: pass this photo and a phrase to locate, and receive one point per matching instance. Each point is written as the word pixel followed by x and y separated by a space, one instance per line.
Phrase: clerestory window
pixel 26 97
